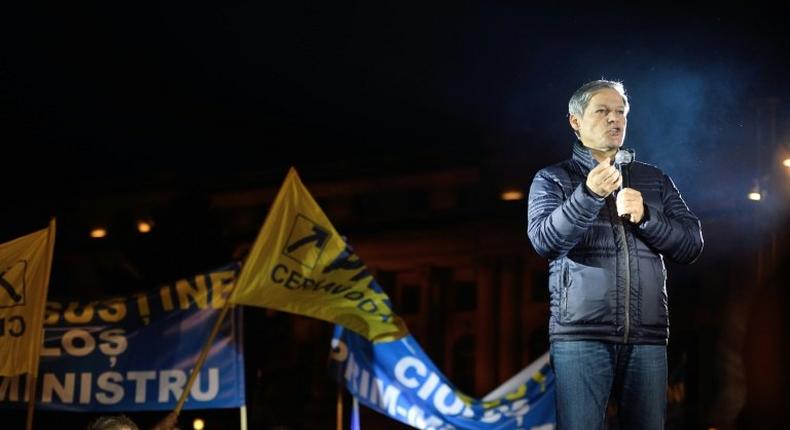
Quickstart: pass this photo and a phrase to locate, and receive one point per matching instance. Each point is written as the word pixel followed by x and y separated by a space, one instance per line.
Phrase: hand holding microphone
pixel 630 205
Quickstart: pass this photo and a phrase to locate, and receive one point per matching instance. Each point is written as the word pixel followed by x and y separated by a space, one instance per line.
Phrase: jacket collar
pixel 583 156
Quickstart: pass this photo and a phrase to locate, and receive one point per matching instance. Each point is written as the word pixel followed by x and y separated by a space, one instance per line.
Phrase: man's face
pixel 602 126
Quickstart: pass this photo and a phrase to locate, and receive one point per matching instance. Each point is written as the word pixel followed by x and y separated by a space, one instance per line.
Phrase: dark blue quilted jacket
pixel 607 278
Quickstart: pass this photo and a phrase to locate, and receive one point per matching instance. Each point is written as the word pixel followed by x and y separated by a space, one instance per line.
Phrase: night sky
pixel 107 97
pixel 130 95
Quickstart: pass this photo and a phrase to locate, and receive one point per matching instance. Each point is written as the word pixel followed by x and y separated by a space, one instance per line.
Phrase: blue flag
pixel 399 380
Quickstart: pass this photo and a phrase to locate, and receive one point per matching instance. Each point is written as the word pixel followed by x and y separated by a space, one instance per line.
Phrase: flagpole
pixel 31 402
pixel 31 376
pixel 202 358
pixel 339 408
pixel 355 424
pixel 243 417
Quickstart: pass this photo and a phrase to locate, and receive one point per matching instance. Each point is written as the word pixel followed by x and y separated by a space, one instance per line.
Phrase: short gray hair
pixel 581 98
pixel 112 423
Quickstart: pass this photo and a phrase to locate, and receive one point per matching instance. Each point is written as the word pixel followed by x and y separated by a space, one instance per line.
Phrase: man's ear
pixel 574 121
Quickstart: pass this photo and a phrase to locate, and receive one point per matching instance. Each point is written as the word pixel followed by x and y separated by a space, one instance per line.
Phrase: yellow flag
pixel 300 264
pixel 25 264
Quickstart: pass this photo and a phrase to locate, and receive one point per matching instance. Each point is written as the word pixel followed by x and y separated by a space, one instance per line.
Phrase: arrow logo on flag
pixel 319 236
pixel 9 288
pixel 306 241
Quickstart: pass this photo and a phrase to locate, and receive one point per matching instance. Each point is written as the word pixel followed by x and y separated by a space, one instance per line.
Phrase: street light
pixel 98 233
pixel 511 194
pixel 144 226
pixel 755 194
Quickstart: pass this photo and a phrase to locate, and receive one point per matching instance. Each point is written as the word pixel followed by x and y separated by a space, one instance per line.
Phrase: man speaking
pixel 606 245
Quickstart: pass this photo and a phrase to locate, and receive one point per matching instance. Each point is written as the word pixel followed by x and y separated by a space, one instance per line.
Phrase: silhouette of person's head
pixel 120 422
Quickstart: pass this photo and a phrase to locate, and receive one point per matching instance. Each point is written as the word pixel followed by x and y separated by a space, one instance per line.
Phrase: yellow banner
pixel 300 264
pixel 25 264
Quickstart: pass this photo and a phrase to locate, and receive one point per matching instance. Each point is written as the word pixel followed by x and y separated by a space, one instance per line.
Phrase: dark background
pixel 144 94
pixel 100 99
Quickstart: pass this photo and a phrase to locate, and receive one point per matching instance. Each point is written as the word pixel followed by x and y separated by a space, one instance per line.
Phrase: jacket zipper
pixel 627 282
pixel 565 286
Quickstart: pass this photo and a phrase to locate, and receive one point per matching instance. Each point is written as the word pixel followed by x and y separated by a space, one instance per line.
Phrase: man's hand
pixel 629 202
pixel 604 179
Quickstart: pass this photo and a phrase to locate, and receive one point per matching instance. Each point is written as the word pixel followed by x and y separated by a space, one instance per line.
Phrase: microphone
pixel 622 161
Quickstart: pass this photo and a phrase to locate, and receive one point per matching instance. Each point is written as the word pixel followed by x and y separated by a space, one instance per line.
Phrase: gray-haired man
pixel 609 323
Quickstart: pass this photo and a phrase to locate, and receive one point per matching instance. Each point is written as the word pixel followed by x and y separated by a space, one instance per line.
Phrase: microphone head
pixel 623 156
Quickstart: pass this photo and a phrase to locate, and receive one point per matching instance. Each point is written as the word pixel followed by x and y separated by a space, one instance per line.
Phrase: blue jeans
pixel 589 372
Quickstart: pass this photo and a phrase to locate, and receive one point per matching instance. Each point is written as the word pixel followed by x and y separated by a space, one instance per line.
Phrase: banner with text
pixel 136 353
pixel 398 379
